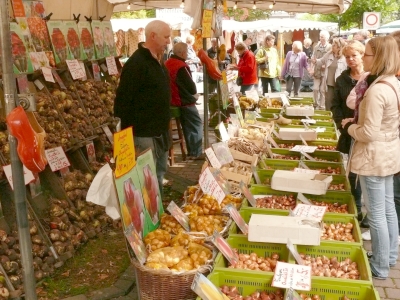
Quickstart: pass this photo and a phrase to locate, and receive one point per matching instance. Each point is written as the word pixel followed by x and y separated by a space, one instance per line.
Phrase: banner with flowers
pixel 85 35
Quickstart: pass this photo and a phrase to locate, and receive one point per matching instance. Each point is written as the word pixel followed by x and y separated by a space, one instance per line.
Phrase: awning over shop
pixel 135 24
pixel 389 27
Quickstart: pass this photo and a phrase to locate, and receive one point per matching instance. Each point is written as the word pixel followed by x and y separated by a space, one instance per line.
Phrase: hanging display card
pixel 74 43
pixel 43 54
pixel 124 151
pixel 136 244
pixel 215 163
pixel 86 38
pixel 179 215
pixel 206 23
pixel 292 276
pixel 209 185
pixel 23 86
pixel 75 69
pixel 309 211
pixel 96 71
pixel 28 175
pixel 56 158
pixel 109 42
pixel 224 94
pixel 111 65
pixel 98 38
pixel 47 74
pixel 58 40
pixel 21 45
pixel 18 8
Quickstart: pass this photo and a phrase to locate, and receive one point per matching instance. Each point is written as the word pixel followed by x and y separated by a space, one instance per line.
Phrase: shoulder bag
pixel 265 64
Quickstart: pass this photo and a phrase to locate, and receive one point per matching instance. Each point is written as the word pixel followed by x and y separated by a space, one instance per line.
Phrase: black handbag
pixel 239 81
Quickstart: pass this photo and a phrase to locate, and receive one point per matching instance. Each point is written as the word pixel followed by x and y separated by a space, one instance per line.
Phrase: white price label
pixel 309 211
pixel 223 132
pixel 179 215
pixel 306 149
pixel 56 158
pixel 285 100
pixel 47 74
pixel 39 85
pixel 75 69
pixel 111 65
pixel 244 228
pixel 210 186
pixel 28 175
pixel 292 276
pixel 212 158
pixel 84 78
pixel 306 171
pixel 308 121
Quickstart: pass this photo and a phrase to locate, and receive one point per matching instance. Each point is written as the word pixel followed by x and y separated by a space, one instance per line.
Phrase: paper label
pixel 272 141
pixel 244 228
pixel 308 121
pixel 23 85
pixel 306 171
pixel 284 99
pixel 124 152
pixel 294 252
pixel 209 185
pixel 108 133
pixel 111 65
pixel 47 74
pixel 303 199
pixel 179 215
pixel 309 211
pixel 212 158
pixel 39 85
pixel 103 67
pixel 223 132
pixel 235 120
pixel 91 153
pixel 255 174
pixel 225 248
pixel 246 192
pixel 301 148
pixel 320 129
pixel 56 158
pixel 96 71
pixel 136 244
pixel 292 276
pixel 223 153
pixel 58 79
pixel 84 78
pixel 75 69
pixel 28 175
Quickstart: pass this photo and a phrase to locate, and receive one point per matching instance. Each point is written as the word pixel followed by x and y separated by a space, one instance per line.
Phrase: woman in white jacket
pixel 335 63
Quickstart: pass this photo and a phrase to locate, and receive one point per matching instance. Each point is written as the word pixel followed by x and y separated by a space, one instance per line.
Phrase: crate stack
pixel 334 252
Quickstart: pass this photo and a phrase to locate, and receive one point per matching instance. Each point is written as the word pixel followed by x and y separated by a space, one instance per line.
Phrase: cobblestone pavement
pixel 184 173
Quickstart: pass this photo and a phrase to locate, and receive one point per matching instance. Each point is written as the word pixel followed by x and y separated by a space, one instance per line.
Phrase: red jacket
pixel 247 68
pixel 173 66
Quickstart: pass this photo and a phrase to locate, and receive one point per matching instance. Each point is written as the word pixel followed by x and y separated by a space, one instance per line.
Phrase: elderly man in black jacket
pixel 144 94
pixel 184 95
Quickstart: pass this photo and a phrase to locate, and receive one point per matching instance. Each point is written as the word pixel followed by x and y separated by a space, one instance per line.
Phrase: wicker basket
pixel 159 284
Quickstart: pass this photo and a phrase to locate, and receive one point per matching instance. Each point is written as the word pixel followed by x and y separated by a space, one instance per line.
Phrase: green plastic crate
pixel 322 155
pixel 334 219
pixel 280 151
pixel 270 111
pixel 316 165
pixel 341 179
pixel 279 164
pixel 336 197
pixel 259 189
pixel 341 251
pixel 265 176
pixel 318 112
pixel 332 145
pixel 327 129
pixel 298 100
pixel 327 136
pixel 240 242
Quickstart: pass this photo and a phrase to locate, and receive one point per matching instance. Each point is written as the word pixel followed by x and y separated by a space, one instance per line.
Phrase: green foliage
pixel 137 14
pixel 253 14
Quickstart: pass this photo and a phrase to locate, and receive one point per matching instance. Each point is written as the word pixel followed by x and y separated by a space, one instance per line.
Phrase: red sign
pixel 18 8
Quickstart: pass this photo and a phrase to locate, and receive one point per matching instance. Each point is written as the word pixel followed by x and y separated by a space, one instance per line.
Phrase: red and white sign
pixel 28 175
pixel 56 158
pixel 75 68
pixel 371 20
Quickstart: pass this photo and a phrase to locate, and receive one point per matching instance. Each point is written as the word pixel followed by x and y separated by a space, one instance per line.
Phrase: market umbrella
pixel 389 27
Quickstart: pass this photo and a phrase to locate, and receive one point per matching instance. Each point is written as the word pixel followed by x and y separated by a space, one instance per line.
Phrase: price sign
pixel 28 175
pixel 179 215
pixel 58 79
pixel 306 149
pixel 111 65
pixel 56 158
pixel 39 85
pixel 309 211
pixel 103 67
pixel 224 248
pixel 209 185
pixel 84 78
pixel 91 153
pixel 246 192
pixel 48 75
pixel 223 132
pixel 96 71
pixel 124 152
pixel 75 69
pixel 292 276
pixel 136 244
pixel 212 158
pixel 108 133
pixel 306 171
pixel 244 228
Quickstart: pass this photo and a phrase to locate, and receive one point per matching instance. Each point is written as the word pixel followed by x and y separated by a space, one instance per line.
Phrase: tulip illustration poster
pixel 20 45
pixel 109 49
pixel 58 40
pixel 73 41
pixel 139 196
pixel 85 35
pixel 98 38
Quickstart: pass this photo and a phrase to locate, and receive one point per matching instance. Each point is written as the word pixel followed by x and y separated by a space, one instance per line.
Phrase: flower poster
pixel 37 9
pixel 85 35
pixel 109 41
pixel 73 41
pixel 98 38
pixel 58 40
pixel 20 44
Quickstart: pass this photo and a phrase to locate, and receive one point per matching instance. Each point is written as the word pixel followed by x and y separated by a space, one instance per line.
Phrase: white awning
pixel 389 27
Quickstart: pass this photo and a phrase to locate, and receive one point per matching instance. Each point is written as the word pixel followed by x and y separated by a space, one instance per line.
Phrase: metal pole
pixel 10 97
pixel 205 99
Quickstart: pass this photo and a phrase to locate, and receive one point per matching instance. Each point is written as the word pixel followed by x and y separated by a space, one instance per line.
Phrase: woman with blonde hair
pixel 374 155
pixel 335 64
pixel 294 67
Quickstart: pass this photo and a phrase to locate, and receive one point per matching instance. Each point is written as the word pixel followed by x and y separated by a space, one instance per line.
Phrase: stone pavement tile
pixel 394 274
pixel 79 297
pixel 397 282
pixel 107 293
pixel 392 293
pixel 125 285
pixel 397 266
pixel 384 283
pixel 381 292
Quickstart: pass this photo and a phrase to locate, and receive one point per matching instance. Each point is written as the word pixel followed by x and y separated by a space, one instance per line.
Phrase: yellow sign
pixel 124 152
pixel 225 6
pixel 206 23
pixel 224 77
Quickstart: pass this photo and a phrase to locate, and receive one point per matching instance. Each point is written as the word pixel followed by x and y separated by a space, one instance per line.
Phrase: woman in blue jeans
pixel 374 155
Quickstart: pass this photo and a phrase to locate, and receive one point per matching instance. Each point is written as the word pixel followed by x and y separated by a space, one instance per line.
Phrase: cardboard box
pixel 300 182
pixel 295 133
pixel 278 229
pixel 297 110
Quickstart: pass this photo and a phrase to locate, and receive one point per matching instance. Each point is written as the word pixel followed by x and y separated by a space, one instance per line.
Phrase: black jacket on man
pixel 143 95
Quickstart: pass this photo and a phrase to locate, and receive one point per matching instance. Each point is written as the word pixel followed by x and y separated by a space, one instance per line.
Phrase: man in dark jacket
pixel 143 96
pixel 184 95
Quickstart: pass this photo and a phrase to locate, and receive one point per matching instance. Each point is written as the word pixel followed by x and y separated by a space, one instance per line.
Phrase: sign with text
pixel 309 211
pixel 292 276
pixel 124 151
pixel 302 148
pixel 207 23
pixel 47 74
pixel 179 215
pixel 57 158
pixel 75 69
pixel 111 65
pixel 212 158
pixel 209 185
pixel 28 175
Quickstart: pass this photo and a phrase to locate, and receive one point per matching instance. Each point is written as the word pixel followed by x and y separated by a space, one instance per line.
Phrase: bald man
pixel 184 96
pixel 143 96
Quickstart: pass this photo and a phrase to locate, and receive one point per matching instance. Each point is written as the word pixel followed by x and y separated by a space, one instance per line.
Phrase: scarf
pixel 360 90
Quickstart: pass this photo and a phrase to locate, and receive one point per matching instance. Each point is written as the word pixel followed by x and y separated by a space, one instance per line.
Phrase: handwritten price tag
pixel 75 68
pixel 292 276
pixel 299 170
pixel 212 158
pixel 210 186
pixel 309 211
pixel 244 228
pixel 179 215
pixel 111 65
pixel 48 75
pixel 57 159
pixel 28 175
